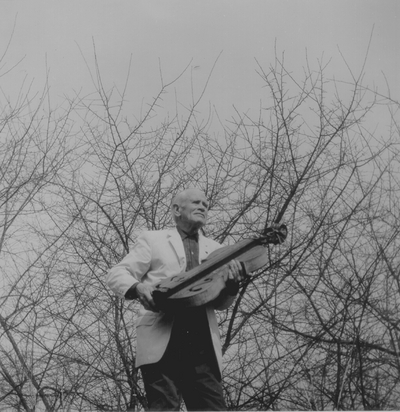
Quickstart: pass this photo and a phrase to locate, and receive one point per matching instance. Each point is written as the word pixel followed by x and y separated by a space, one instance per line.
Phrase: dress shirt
pixel 191 329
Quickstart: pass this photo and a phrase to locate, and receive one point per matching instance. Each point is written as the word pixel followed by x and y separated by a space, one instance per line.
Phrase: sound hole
pixel 196 288
pixel 200 287
pixel 176 278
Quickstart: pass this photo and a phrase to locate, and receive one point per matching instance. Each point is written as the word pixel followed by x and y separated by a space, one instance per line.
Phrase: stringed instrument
pixel 205 282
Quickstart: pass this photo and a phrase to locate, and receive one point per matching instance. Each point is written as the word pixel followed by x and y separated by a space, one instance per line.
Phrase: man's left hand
pixel 233 276
pixel 235 271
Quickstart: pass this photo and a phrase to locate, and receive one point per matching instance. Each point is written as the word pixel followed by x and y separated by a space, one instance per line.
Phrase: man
pixel 179 355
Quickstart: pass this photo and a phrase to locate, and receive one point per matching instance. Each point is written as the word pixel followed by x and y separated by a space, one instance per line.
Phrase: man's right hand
pixel 145 297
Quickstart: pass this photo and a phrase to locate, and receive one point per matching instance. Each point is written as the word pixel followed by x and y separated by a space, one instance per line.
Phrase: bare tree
pixel 308 315
pixel 33 152
pixel 316 328
pixel 36 141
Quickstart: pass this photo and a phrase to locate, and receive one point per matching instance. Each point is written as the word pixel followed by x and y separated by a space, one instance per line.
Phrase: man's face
pixel 193 210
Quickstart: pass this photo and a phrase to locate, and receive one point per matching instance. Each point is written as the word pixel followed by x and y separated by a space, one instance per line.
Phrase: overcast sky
pixel 181 32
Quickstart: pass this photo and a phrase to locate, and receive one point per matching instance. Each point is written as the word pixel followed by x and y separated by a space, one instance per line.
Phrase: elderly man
pixel 179 355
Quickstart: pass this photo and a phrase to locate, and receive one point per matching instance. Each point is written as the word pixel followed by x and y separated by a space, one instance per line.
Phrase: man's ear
pixel 175 210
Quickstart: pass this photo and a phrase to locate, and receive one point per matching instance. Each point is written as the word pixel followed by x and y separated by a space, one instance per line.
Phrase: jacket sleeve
pixel 131 269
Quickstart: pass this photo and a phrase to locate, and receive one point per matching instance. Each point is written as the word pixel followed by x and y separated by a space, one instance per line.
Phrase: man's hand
pixel 234 271
pixel 144 296
pixel 233 277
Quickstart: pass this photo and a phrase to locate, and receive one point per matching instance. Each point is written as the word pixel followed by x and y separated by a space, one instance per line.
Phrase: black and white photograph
pixel 199 205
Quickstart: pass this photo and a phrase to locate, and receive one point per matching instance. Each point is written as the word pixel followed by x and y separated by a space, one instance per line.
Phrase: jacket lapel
pixel 176 243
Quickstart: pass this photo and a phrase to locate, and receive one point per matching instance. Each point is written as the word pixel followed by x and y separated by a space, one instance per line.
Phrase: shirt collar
pixel 184 235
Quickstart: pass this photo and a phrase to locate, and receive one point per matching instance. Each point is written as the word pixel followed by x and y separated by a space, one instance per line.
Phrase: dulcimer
pixel 205 282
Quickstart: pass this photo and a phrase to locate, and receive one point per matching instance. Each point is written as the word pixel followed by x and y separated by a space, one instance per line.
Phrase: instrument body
pixel 205 282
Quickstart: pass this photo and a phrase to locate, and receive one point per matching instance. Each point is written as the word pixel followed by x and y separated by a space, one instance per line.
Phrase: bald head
pixel 189 209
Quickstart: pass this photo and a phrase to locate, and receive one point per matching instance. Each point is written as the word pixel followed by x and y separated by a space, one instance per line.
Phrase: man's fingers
pixel 145 297
pixel 234 270
pixel 151 304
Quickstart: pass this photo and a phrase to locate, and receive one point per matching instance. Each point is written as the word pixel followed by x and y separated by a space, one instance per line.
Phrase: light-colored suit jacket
pixel 157 255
